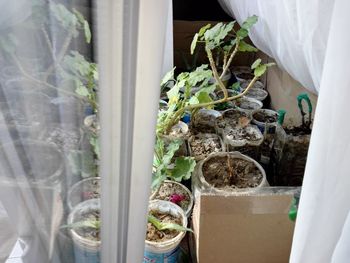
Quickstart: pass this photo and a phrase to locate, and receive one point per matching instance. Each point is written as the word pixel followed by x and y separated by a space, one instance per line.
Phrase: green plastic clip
pixel 281 115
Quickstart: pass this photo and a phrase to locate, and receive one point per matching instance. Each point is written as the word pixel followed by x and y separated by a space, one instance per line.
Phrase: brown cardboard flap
pixel 243 229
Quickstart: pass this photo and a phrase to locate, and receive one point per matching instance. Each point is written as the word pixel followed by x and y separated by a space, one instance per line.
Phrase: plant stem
pixel 230 59
pixel 61 54
pixel 215 72
pixel 31 78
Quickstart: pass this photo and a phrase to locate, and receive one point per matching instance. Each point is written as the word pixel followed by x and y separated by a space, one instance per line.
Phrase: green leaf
pixel 260 70
pixel 249 22
pixel 164 226
pixel 203 97
pixel 203 29
pixel 215 36
pixel 193 100
pixel 194 43
pixel 168 76
pixel 256 63
pixel 82 91
pixel 199 75
pixel 183 169
pixel 207 89
pixel 270 64
pixel 171 149
pixel 236 86
pixel 95 143
pixel 245 47
pixel 242 33
pixel 87 32
pixel 68 20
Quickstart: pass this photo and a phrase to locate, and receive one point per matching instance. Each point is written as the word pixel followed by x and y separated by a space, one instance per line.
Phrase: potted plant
pixel 291 148
pixel 167 226
pixel 84 226
pixel 176 169
pixel 230 171
pixel 218 37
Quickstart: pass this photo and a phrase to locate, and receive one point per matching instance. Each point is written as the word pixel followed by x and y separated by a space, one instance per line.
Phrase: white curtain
pixel 310 40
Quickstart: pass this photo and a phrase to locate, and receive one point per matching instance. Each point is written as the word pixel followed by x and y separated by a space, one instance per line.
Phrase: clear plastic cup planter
pixel 265 119
pixel 86 247
pixel 213 162
pixel 248 105
pixel 238 134
pixel 89 188
pixel 166 251
pixel 173 187
pixel 41 163
pixel 204 121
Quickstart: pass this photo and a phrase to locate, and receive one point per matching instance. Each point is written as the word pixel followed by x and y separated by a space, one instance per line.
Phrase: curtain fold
pixel 309 40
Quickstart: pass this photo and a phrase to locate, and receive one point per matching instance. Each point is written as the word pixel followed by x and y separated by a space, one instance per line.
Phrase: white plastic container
pixel 85 250
pixel 248 105
pixel 166 251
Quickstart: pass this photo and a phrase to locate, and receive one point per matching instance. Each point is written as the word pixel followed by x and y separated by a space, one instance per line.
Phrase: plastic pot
pixel 229 119
pixel 200 177
pixel 257 93
pixel 203 137
pixel 189 208
pixel 166 251
pixel 83 190
pixel 270 124
pixel 41 163
pixel 248 105
pixel 85 249
pixel 204 121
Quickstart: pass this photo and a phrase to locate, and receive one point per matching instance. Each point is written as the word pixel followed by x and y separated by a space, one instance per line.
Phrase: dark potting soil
pixel 231 172
pixel 233 118
pixel 155 235
pixel 90 233
pixel 172 192
pixel 295 131
pixel 203 145
pixel 262 117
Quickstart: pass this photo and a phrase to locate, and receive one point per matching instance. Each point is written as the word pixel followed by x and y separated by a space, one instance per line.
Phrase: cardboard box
pixel 243 229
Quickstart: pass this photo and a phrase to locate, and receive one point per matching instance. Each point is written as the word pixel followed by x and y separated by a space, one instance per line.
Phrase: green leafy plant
pixel 72 67
pixel 222 38
pixel 166 166
pixel 164 226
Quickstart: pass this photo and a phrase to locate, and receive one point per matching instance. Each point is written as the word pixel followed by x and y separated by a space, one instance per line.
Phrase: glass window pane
pixel 49 133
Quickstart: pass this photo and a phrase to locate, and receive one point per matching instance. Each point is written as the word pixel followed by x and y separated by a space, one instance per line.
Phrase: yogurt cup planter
pixel 204 121
pixel 86 241
pixel 176 193
pixel 42 163
pixel 89 188
pixel 164 250
pixel 230 172
pixel 248 105
pixel 203 144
